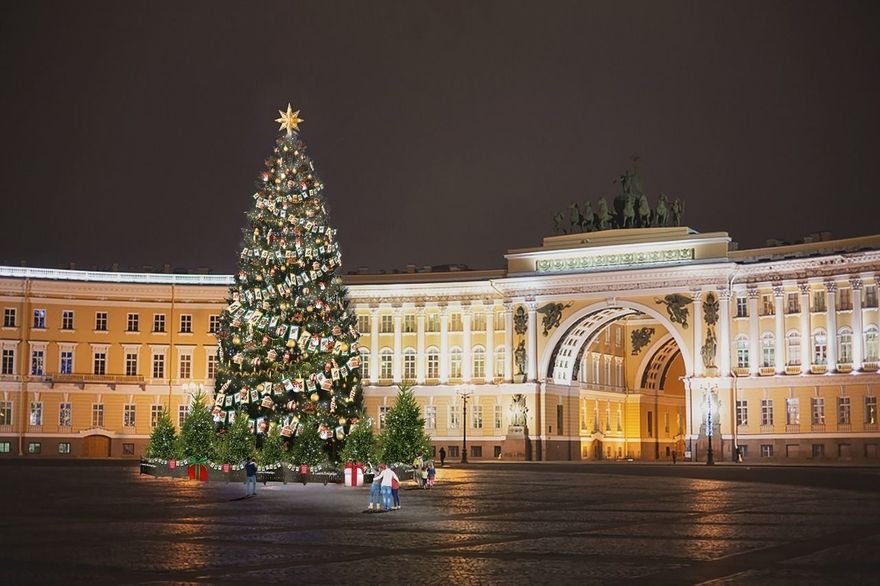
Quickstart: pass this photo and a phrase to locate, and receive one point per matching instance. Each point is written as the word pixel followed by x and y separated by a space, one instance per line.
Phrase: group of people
pixel 424 472
pixel 385 489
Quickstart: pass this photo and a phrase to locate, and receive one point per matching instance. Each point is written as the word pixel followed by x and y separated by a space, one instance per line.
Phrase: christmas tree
pixel 288 342
pixel 404 435
pixel 163 439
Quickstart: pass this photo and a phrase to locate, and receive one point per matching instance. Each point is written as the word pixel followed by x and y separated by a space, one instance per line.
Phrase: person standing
pixel 250 478
pixel 674 456
pixel 442 456
pixel 376 491
pixel 387 477
pixel 395 493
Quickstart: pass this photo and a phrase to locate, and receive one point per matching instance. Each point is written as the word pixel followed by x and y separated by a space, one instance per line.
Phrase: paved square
pixel 103 523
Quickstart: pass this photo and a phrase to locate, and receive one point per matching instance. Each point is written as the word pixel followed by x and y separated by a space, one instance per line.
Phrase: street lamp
pixel 710 455
pixel 465 392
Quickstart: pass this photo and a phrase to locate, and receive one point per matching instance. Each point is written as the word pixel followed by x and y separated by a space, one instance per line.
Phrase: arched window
pixel 768 350
pixel 365 362
pixel 844 345
pixel 872 344
pixel 793 348
pixel 432 362
pixel 409 364
pixel 479 362
pixel 500 355
pixel 455 363
pixel 820 347
pixel 386 360
pixel 742 351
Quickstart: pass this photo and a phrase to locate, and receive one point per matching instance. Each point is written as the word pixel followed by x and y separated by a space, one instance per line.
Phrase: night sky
pixel 445 132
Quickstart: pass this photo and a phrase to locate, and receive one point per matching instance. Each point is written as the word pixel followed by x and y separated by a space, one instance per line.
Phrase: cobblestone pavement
pixel 103 523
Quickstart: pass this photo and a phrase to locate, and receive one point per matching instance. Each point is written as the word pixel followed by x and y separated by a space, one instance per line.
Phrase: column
pixel 490 342
pixel 444 344
pixel 806 338
pixel 696 295
pixel 397 365
pixel 754 332
pixel 779 315
pixel 508 343
pixel 466 353
pixel 374 345
pixel 831 322
pixel 532 342
pixel 420 345
pixel 724 331
pixel 858 336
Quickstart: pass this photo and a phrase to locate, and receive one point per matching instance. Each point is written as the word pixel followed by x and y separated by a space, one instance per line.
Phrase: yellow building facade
pixel 635 343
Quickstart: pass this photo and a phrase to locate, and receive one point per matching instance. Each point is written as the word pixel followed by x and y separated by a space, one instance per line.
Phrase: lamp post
pixel 464 392
pixel 710 455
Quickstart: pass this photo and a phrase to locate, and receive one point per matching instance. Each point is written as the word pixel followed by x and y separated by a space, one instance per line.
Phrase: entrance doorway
pixel 96 446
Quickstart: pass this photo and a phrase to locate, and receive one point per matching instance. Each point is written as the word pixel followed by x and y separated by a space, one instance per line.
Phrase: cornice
pixel 802 269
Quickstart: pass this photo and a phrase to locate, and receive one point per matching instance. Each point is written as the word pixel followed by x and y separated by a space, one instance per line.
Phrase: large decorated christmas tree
pixel 288 342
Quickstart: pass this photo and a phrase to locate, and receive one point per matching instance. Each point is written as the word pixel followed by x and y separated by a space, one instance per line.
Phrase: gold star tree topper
pixel 289 120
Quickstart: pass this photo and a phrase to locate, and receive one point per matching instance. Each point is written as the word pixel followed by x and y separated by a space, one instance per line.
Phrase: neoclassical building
pixel 632 343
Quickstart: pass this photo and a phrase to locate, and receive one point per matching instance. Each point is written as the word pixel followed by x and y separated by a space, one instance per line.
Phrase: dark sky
pixel 444 131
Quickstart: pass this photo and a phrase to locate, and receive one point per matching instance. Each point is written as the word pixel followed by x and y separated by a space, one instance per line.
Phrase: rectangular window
pixel 155 414
pixel 742 412
pixel 794 305
pixel 455 364
pixel 66 362
pixel 9 317
pixel 433 363
pixel 477 417
pixel 213 324
pixel 386 324
pixel 364 324
pixel 64 447
pixel 499 322
pixel 817 407
pixel 766 412
pixel 212 366
pixel 478 323
pixel 476 451
pixel 128 449
pixel 5 412
pixel 843 410
pixel 792 411
pixel 383 412
pixel 818 450
pixel 4 447
pixel 430 416
pixel 97 415
pixel 479 361
pixel 186 324
pixel 8 363
pixel 767 305
pixel 100 363
pixel 133 322
pixel 158 323
pixel 818 301
pixel 409 365
pixel 497 418
pixel 37 363
pixel 36 413
pixel 39 319
pixel 34 447
pixel 453 451
pixel 742 307
pixel 185 370
pixel 386 365
pixel 870 410
pixel 432 323
pixel 182 413
pixel 559 420
pixel 870 297
pixel 453 417
pixel 455 322
pixel 128 415
pixel 101 321
pixel 65 415
pixel 67 320
pixel 158 366
pixel 666 421
pixel 766 450
pixel 844 299
pixel 131 364
pixel 650 424
pixel 409 323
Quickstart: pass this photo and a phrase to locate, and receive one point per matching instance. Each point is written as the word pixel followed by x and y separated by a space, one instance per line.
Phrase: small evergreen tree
pixel 237 442
pixel 361 445
pixel 404 435
pixel 197 432
pixel 273 450
pixel 308 447
pixel 163 440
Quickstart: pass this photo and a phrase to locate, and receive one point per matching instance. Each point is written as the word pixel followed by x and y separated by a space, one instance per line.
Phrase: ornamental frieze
pixel 622 259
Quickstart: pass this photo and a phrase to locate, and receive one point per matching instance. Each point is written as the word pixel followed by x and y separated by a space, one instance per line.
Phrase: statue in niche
pixel 603 216
pixel 708 349
pixel 710 309
pixel 552 315
pixel 519 356
pixel 661 214
pixel 520 320
pixel 518 410
pixel 640 338
pixel 676 307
